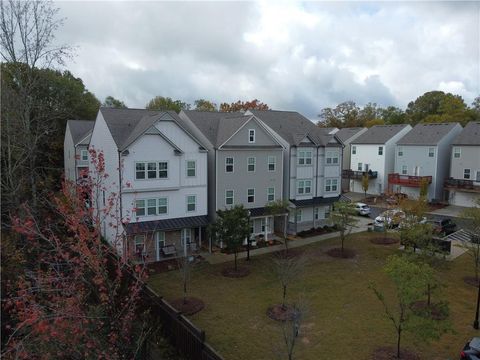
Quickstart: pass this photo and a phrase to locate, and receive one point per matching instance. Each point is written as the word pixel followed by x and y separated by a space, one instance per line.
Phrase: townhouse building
pixel 463 184
pixel 159 171
pixel 346 136
pixel 245 164
pixel 75 148
pixel 373 154
pixel 312 158
pixel 422 156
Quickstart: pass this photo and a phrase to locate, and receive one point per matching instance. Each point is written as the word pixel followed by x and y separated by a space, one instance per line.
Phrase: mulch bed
pixel 384 241
pixel 260 244
pixel 291 253
pixel 279 313
pixel 337 252
pixel 434 311
pixel 192 305
pixel 470 280
pixel 168 265
pixel 390 353
pixel 232 273
pixel 316 231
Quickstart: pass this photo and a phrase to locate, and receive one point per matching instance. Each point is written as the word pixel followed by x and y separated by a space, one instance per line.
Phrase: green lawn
pixel 344 319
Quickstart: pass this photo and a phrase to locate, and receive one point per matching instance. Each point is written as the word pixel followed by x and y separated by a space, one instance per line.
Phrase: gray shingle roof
pixel 346 133
pixel 470 135
pixel 80 129
pixel 427 134
pixel 379 134
pixel 293 127
pixel 167 224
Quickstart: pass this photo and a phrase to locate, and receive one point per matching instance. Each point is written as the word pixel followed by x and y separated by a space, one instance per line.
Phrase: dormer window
pixel 251 136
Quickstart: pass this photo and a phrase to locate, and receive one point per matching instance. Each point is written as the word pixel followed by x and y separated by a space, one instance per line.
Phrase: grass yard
pixel 344 320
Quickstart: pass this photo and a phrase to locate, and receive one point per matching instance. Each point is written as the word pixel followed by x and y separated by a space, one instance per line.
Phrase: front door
pixel 159 243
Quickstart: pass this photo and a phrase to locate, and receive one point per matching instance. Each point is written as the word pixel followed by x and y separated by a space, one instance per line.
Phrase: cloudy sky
pixel 300 56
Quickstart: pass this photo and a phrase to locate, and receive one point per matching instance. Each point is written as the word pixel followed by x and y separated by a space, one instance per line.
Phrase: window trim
pixel 455 152
pixel 254 163
pixel 144 207
pixel 268 194
pixel 360 166
pixel 248 196
pixel 380 151
pixel 332 157
pixel 274 163
pixel 304 186
pixel 158 206
pixel 433 152
pixel 187 203
pixel 194 168
pixel 400 151
pixel 406 170
pixel 316 213
pixel 304 157
pixel 232 197
pixel 330 183
pixel 145 170
pixel 354 149
pixel 136 243
pixel 298 215
pixel 251 133
pixel 82 152
pixel 469 174
pixel 232 164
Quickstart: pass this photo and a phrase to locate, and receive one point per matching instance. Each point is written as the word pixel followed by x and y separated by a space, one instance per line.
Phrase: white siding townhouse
pixel 75 148
pixel 159 170
pixel 423 155
pixel 312 176
pixel 373 153
pixel 463 185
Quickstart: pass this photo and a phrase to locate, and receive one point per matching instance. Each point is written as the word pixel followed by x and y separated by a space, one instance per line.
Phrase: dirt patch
pixel 434 311
pixel 390 353
pixel 232 273
pixel 337 252
pixel 279 313
pixel 470 280
pixel 189 306
pixel 384 241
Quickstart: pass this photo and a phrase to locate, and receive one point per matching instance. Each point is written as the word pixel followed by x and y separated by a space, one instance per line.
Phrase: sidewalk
pixel 218 258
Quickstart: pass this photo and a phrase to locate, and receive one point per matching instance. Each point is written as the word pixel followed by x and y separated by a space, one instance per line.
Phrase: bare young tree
pixel 292 328
pixel 288 269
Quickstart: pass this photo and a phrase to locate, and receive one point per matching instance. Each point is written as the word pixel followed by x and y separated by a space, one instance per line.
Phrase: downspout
pixel 121 207
pixel 316 189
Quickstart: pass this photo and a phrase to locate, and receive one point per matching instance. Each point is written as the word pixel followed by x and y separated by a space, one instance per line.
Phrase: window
pixel 140 171
pixel 466 173
pixel 163 170
pixel 271 194
pixel 477 178
pixel 263 223
pixel 331 185
pixel 315 214
pixel 380 150
pixel 191 168
pixel 359 166
pixel 139 244
pixel 271 163
pixel 298 215
pixel 400 151
pixel 404 169
pixel 457 152
pixel 191 202
pixel 152 207
pixel 152 170
pixel 160 236
pixel 229 164
pixel 162 206
pixel 251 135
pixel 84 155
pixel 140 207
pixel 354 150
pixel 250 195
pixel 327 212
pixel 250 164
pixel 228 197
pixel 304 187
pixel 304 157
pixel 332 157
pixel 431 152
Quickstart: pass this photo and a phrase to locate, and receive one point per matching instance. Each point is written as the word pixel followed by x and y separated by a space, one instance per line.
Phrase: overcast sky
pixel 301 56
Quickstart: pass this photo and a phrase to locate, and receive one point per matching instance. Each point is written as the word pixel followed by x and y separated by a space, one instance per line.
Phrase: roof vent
pixel 125 153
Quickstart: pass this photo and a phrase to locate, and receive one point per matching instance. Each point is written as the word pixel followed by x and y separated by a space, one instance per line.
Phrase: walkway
pixel 218 258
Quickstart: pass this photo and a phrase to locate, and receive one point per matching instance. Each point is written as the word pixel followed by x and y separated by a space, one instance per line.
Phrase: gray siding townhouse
pixel 312 175
pixel 463 185
pixel 346 136
pixel 245 164
pixel 423 155
pixel 75 148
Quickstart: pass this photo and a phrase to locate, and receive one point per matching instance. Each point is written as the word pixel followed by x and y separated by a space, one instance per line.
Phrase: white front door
pixel 159 243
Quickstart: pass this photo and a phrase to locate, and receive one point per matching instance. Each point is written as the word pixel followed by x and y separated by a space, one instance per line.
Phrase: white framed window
pixel 298 215
pixel 229 194
pixel 466 173
pixel 251 135
pixel 331 185
pixel 191 203
pixel 162 206
pixel 271 163
pixel 380 150
pixel 327 212
pixel 251 195
pixel 251 164
pixel 84 155
pixel 140 207
pixel 332 157
pixel 354 149
pixel 477 177
pixel 431 152
pixel 457 152
pixel 270 194
pixel 404 169
pixel 263 224
pixel 229 164
pixel 186 235
pixel 315 213
pixel 304 157
pixel 400 151
pixel 163 170
pixel 151 207
pixel 152 170
pixel 359 166
pixel 139 244
pixel 140 172
pixel 191 168
pixel 304 187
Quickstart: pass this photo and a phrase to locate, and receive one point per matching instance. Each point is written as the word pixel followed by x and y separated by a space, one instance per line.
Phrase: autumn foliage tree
pixel 79 299
pixel 243 106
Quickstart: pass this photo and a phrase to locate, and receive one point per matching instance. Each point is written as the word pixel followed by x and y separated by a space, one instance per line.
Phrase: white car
pixel 362 209
pixel 391 217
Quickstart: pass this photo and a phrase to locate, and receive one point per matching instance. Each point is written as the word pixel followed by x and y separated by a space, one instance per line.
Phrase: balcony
pixel 351 174
pixel 407 180
pixel 464 185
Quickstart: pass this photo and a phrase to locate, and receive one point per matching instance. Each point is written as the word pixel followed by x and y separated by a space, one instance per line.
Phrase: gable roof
pixel 80 129
pixel 379 134
pixel 293 127
pixel 345 134
pixel 427 134
pixel 470 135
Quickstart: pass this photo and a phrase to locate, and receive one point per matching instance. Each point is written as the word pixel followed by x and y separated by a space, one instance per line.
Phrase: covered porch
pixel 309 213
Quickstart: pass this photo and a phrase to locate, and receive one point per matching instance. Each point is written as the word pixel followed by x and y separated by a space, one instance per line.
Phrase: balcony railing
pixel 408 180
pixel 352 174
pixel 467 185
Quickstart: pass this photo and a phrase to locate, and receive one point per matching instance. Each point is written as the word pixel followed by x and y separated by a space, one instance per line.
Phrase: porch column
pixel 199 237
pixel 266 228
